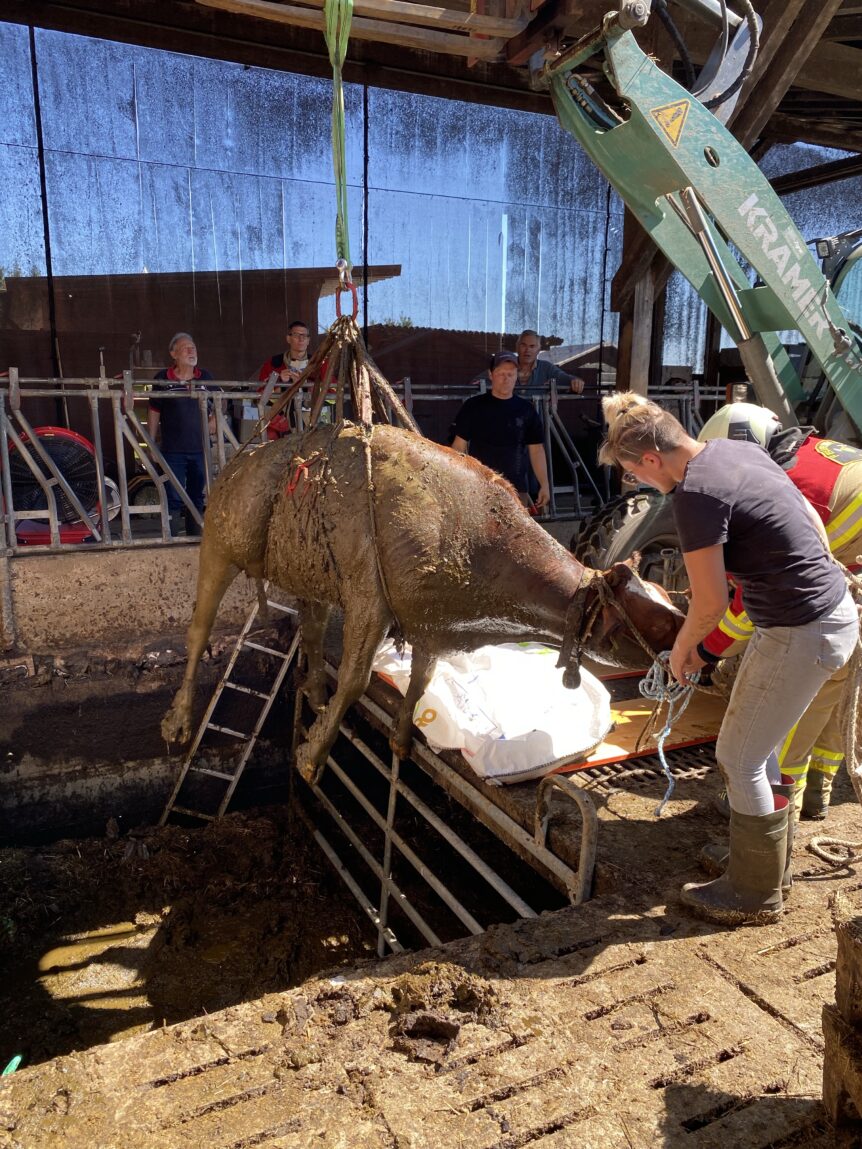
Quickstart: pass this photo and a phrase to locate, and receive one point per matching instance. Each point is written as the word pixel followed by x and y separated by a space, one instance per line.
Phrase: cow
pixel 403 534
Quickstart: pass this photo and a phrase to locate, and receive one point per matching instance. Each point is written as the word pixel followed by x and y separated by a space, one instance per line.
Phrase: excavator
pixel 707 206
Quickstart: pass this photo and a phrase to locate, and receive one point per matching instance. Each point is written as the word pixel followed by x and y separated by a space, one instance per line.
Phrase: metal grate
pixel 374 839
pixel 691 764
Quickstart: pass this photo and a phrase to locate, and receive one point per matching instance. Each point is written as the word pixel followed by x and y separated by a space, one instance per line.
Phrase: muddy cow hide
pixel 400 533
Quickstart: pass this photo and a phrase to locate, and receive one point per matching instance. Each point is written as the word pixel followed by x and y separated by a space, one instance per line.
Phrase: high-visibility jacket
pixel 829 475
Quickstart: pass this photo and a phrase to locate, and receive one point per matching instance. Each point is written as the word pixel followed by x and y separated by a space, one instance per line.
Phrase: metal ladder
pixel 246 739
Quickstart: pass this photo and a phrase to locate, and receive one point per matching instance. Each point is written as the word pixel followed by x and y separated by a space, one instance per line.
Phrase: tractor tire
pixel 640 522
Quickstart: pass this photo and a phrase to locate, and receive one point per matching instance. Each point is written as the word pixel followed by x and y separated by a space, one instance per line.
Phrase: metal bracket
pixel 580 891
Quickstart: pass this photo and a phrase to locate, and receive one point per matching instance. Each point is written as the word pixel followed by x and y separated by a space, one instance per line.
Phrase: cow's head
pixel 631 602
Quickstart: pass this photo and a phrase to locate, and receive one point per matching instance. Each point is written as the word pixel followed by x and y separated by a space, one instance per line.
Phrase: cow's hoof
pixel 317 697
pixel 176 725
pixel 398 749
pixel 309 770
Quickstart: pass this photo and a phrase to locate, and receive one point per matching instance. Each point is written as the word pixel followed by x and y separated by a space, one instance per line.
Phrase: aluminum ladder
pixel 246 740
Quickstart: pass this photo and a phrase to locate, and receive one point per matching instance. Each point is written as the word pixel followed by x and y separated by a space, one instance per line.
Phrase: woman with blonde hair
pixel 737 514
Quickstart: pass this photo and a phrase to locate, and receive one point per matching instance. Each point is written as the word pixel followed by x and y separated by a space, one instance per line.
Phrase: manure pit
pixel 252 1010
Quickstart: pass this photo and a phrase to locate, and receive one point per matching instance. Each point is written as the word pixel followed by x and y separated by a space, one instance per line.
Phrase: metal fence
pixel 129 506
pixel 118 439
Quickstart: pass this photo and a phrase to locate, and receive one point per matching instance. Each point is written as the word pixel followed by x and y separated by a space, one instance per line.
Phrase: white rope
pixel 659 686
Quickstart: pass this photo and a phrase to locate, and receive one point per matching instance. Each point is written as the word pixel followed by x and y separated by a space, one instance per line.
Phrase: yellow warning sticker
pixel 671 118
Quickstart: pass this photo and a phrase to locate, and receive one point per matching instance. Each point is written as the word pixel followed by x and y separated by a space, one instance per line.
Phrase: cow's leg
pixel 215 574
pixel 421 670
pixel 365 627
pixel 313 619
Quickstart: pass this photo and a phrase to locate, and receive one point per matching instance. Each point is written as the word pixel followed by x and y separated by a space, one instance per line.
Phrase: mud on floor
pixel 101 938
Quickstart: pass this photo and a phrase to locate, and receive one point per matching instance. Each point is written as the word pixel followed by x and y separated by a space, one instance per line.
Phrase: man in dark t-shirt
pixel 503 431
pixel 182 432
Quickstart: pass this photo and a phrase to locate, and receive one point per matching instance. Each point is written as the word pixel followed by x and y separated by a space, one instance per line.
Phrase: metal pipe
pixel 755 358
pixel 100 466
pixel 51 513
pixel 33 440
pixel 693 216
pixel 481 867
pixel 424 928
pixel 387 846
pixel 203 410
pixel 355 889
pixel 8 505
pixel 136 424
pixel 120 449
pixel 460 911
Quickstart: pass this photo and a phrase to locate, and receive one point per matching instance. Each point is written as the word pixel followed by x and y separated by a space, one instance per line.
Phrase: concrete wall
pixel 119 601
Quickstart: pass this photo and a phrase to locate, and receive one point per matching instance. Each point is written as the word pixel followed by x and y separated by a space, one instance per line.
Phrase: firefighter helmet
pixel 742 421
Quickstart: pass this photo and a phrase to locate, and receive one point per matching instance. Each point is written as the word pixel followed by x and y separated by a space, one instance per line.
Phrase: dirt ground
pixel 235 981
pixel 105 937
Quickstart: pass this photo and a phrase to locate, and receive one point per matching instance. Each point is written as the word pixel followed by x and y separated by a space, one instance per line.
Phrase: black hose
pixel 660 6
pixel 753 47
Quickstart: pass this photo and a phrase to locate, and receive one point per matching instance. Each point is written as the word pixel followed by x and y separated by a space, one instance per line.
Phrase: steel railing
pixel 110 416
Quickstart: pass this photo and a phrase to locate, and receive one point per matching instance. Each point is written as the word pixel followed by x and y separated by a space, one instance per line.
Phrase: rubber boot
pixel 193 527
pixel 176 524
pixel 721 802
pixel 749 891
pixel 818 791
pixel 713 857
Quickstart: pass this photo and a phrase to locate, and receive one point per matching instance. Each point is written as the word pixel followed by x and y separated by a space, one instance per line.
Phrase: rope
pixel 660 687
pixel 337 17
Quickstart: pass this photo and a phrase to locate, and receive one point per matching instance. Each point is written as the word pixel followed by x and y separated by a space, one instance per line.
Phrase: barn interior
pixel 400 953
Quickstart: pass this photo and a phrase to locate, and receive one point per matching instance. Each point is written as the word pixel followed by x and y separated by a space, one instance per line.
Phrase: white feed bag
pixel 505 708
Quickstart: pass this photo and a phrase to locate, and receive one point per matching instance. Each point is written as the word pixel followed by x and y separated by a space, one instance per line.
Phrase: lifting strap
pixel 337 17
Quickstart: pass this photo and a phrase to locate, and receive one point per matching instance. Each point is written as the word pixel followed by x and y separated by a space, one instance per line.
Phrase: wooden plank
pixel 380 31
pixel 403 12
pixel 699 723
pixel 827 134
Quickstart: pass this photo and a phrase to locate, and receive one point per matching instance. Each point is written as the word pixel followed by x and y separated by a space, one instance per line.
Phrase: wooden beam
pixel 786 129
pixel 791 54
pixel 835 69
pixel 404 12
pixel 844 28
pixel 405 36
pixel 781 55
pixel 819 174
pixel 635 341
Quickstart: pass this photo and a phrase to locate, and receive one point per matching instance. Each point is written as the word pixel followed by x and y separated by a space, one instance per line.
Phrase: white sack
pixel 505 708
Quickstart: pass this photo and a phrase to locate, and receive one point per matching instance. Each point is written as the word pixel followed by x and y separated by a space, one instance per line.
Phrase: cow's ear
pixel 619 574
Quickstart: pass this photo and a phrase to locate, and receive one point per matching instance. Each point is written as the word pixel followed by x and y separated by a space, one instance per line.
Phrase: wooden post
pixel 842 1030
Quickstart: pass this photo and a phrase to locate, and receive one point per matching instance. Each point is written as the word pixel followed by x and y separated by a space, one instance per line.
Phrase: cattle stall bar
pixel 397 806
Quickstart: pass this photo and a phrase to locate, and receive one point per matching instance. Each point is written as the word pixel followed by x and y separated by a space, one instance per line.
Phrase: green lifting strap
pixel 338 15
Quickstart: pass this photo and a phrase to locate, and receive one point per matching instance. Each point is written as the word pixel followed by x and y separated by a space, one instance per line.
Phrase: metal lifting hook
pixel 345 283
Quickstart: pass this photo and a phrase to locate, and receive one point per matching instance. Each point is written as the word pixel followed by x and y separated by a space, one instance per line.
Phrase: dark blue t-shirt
pixel 179 419
pixel 499 432
pixel 734 495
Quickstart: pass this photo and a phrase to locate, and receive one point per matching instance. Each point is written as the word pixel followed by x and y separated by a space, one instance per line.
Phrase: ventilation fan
pixel 75 459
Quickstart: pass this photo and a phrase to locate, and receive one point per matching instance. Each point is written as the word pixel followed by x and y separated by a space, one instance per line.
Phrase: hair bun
pixel 620 403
